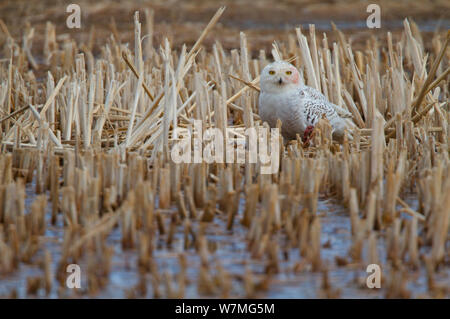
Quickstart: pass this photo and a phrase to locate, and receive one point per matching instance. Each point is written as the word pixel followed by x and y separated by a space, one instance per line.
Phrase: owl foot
pixel 307 135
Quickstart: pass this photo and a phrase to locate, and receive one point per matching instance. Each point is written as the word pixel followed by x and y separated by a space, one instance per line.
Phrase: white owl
pixel 299 107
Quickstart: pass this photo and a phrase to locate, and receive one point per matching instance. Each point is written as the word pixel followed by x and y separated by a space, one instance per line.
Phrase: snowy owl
pixel 299 107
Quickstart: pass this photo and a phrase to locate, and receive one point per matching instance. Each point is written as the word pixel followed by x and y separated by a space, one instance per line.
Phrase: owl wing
pixel 312 93
pixel 315 109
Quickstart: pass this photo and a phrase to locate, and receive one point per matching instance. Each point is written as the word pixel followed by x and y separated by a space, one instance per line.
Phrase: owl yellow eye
pixel 288 72
pixel 271 72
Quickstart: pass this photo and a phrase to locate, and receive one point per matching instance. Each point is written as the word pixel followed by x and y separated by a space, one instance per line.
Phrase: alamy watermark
pixel 255 145
pixel 374 20
pixel 74 279
pixel 374 279
pixel 74 19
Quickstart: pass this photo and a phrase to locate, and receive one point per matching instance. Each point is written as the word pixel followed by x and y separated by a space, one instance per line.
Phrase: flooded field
pixel 228 250
pixel 87 176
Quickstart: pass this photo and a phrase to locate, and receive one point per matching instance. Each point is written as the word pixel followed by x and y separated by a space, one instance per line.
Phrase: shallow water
pixel 325 25
pixel 228 248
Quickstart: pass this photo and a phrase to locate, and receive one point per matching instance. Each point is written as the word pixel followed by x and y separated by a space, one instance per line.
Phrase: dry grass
pixel 94 135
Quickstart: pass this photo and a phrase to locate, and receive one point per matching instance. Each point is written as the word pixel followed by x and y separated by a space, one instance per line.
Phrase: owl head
pixel 279 76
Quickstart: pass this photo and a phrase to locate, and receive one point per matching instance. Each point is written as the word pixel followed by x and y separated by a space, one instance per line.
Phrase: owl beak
pixel 280 81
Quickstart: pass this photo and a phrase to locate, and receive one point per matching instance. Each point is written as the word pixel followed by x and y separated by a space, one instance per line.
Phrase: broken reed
pixel 96 133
